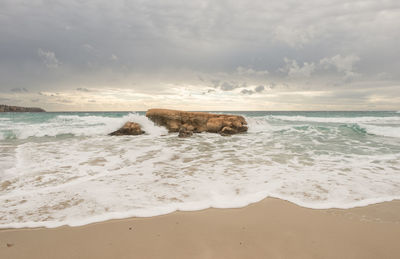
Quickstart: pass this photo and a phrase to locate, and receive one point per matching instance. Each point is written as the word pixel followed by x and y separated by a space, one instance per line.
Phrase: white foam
pixel 263 125
pixel 385 131
pixel 258 124
pixel 365 119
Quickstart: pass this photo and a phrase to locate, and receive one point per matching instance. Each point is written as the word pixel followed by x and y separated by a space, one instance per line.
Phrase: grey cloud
pixel 215 82
pixel 19 90
pixel 259 89
pixel 82 89
pixel 227 86
pixel 246 91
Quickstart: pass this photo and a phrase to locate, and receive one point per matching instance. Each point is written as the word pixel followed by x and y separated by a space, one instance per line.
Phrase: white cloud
pixel 295 70
pixel 114 57
pixel 249 71
pixel 343 64
pixel 48 58
pixel 294 36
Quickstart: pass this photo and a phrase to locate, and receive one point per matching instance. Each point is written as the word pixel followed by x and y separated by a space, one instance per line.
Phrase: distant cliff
pixel 6 108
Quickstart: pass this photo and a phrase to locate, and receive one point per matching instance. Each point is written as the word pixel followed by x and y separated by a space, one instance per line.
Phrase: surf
pixel 48 179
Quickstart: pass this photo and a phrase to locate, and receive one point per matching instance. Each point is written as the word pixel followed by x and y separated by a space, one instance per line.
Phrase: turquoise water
pixel 63 168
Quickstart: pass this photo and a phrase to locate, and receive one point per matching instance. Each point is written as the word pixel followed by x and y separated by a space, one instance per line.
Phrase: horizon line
pixel 230 110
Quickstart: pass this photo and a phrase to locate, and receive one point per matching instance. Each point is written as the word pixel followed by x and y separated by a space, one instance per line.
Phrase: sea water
pixel 63 169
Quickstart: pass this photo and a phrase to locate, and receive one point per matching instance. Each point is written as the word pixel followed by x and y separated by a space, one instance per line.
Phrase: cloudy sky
pixel 200 54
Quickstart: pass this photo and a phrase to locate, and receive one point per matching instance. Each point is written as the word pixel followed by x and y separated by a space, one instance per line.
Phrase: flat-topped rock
pixel 7 108
pixel 182 121
pixel 129 128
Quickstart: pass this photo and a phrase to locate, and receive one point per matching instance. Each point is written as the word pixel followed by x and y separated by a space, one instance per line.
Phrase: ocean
pixel 63 169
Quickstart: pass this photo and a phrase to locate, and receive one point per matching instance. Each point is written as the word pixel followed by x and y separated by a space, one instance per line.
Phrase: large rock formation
pixel 185 122
pixel 129 128
pixel 6 108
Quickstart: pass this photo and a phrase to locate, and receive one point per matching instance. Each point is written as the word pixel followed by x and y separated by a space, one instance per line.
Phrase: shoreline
pixel 270 228
pixel 55 225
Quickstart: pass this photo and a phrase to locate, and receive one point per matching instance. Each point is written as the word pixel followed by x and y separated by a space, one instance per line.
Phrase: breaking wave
pixel 385 131
pixel 76 125
pixel 365 119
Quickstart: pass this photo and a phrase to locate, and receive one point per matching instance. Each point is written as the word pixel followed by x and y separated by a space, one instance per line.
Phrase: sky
pixel 101 55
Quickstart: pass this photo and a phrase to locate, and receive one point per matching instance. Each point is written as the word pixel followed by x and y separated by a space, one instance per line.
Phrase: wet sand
pixel 271 228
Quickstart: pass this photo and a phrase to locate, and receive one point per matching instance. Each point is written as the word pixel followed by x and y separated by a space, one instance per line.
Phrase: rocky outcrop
pixel 6 108
pixel 129 128
pixel 196 122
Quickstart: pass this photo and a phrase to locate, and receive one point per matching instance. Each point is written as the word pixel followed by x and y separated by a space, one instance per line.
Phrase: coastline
pixel 271 228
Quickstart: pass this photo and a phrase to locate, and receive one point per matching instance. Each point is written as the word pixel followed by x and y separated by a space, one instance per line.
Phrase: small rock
pixel 184 133
pixel 4 185
pixel 9 245
pixel 227 131
pixel 129 128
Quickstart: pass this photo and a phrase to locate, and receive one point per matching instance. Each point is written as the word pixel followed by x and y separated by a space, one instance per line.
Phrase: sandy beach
pixel 271 228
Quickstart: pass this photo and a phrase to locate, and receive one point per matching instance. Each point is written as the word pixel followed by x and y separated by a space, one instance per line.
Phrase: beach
pixel 199 129
pixel 271 228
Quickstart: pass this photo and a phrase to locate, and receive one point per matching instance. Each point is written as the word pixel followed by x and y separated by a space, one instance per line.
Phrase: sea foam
pixel 90 177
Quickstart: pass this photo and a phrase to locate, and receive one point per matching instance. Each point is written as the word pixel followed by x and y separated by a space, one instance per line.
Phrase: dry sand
pixel 271 228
